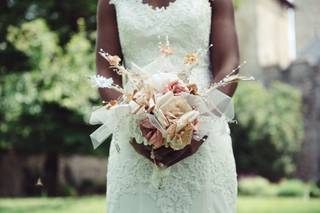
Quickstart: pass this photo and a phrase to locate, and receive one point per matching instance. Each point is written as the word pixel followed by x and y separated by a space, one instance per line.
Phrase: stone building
pixel 266 35
pixel 283 43
pixel 307 23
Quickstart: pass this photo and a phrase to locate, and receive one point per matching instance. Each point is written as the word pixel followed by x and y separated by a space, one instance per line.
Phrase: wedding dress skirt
pixel 205 182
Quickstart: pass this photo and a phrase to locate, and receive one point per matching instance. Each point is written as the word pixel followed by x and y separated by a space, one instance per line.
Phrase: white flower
pixel 160 80
pixel 101 82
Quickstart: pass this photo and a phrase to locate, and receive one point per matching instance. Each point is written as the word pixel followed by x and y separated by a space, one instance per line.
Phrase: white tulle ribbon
pixel 110 119
pixel 219 104
pixel 212 103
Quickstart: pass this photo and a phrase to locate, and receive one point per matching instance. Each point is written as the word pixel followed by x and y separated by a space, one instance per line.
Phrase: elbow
pixel 234 62
pixel 226 67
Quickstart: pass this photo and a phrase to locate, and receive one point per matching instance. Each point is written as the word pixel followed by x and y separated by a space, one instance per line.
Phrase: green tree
pixel 44 108
pixel 61 17
pixel 269 130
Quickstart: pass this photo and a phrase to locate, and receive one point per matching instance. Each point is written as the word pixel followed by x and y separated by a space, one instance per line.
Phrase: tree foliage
pixel 270 128
pixel 48 104
pixel 61 16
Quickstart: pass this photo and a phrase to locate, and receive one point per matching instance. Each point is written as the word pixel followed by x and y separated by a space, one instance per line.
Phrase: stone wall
pixel 307 22
pixel 263 31
pixel 306 77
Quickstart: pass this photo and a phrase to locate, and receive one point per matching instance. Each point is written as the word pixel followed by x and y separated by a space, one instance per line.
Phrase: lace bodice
pixel 205 181
pixel 187 23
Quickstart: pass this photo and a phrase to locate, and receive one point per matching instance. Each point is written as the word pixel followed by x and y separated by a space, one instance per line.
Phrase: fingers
pixel 141 149
pixel 167 156
pixel 195 144
pixel 162 152
pixel 176 156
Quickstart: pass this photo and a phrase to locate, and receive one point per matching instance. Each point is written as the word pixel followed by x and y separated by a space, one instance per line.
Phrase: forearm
pixel 108 40
pixel 107 94
pixel 225 50
pixel 223 71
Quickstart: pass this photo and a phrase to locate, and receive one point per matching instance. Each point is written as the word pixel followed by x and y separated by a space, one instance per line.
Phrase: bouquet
pixel 166 106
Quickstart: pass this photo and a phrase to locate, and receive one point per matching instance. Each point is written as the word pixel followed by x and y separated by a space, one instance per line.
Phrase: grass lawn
pixel 277 205
pixel 96 204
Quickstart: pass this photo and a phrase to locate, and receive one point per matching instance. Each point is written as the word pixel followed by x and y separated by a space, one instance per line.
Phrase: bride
pixel 205 181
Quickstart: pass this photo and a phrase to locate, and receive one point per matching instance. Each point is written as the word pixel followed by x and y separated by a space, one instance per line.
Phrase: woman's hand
pixel 165 157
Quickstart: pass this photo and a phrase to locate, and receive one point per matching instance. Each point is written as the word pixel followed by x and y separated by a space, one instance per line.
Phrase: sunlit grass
pixel 277 205
pixel 96 204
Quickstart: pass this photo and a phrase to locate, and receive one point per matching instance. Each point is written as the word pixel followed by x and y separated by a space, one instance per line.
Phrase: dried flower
pixel 111 103
pixel 113 60
pixel 232 79
pixel 101 81
pixel 191 58
pixel 165 49
pixel 193 89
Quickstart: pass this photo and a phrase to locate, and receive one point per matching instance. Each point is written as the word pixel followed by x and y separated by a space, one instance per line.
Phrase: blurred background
pixel 47 163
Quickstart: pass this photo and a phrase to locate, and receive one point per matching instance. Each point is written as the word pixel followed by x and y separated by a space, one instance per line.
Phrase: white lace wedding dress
pixel 202 183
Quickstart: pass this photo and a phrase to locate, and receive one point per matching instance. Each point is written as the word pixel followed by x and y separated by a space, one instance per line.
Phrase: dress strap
pixel 114 2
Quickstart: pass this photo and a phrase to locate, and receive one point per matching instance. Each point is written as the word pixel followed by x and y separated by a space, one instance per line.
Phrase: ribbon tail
pixel 100 135
pixel 220 104
pixel 111 119
pixel 158 174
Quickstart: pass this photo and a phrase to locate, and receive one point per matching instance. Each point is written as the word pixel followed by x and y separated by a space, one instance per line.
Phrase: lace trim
pixel 151 6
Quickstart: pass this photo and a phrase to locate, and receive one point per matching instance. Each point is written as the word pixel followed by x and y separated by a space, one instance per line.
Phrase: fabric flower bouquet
pixel 162 107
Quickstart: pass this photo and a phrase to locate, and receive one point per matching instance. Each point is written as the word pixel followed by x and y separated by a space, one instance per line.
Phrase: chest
pixel 158 16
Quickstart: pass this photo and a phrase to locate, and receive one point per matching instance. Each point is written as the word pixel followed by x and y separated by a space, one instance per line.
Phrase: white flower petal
pixel 101 81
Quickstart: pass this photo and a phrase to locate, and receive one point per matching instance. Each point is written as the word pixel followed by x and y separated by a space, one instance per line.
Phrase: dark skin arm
pixel 224 58
pixel 108 40
pixel 225 50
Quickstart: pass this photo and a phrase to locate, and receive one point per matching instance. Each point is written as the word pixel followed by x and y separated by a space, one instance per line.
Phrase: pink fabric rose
pixel 151 133
pixel 176 87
